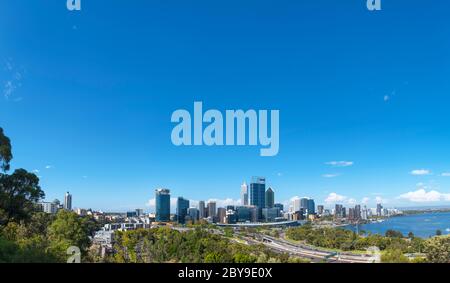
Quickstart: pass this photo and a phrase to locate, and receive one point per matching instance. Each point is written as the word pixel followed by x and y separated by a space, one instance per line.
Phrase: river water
pixel 422 225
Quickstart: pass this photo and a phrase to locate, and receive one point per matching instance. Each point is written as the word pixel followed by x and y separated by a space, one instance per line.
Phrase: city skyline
pixel 363 107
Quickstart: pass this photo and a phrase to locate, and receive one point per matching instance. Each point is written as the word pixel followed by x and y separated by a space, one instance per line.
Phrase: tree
pixel 19 194
pixel 394 256
pixel 5 151
pixel 68 230
pixel 438 232
pixel 394 234
pixel 438 249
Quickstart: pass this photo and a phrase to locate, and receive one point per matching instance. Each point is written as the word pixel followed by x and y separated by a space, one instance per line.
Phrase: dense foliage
pixel 194 246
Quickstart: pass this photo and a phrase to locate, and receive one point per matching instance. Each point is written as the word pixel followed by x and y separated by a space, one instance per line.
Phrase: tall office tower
pixel 193 214
pixel 68 201
pixel 221 214
pixel 320 209
pixel 351 214
pixel 212 209
pixel 162 201
pixel 379 209
pixel 358 212
pixel 311 207
pixel 270 198
pixel 258 194
pixel 364 214
pixel 304 203
pixel 244 194
pixel 182 207
pixel 338 211
pixel 201 209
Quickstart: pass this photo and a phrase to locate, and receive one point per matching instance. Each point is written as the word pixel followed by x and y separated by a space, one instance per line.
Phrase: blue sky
pixel 87 97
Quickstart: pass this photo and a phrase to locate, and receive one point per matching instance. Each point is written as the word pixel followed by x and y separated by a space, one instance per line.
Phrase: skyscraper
pixel 221 214
pixel 244 194
pixel 258 194
pixel 182 207
pixel 338 211
pixel 212 210
pixel 320 209
pixel 201 209
pixel 379 209
pixel 270 198
pixel 304 203
pixel 68 201
pixel 162 202
pixel 193 213
pixel 311 207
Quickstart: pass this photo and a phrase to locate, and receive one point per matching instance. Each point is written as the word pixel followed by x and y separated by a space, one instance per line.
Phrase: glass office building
pixel 258 194
pixel 162 202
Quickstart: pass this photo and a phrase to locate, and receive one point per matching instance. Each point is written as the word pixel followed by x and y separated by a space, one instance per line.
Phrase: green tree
pixel 438 232
pixel 394 256
pixel 437 249
pixel 394 234
pixel 67 230
pixel 5 151
pixel 19 193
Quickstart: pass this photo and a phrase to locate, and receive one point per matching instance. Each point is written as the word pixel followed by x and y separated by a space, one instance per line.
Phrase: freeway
pixel 314 254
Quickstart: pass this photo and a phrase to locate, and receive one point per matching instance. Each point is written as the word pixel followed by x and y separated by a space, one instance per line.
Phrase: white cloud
pixel 386 98
pixel 48 167
pixel 330 175
pixel 8 89
pixel 334 198
pixel 365 200
pixel 420 172
pixel 14 81
pixel 445 174
pixel 381 200
pixel 340 163
pixel 422 195
pixel 36 171
pixel 351 201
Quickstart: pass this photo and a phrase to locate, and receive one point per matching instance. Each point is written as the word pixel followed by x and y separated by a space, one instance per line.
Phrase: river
pixel 422 225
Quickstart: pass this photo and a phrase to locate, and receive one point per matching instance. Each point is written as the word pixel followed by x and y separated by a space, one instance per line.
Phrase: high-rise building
pixel 311 207
pixel 201 209
pixel 320 209
pixel 270 198
pixel 193 214
pixel 338 211
pixel 304 204
pixel 258 194
pixel 68 201
pixel 212 210
pixel 182 207
pixel 357 212
pixel 379 209
pixel 162 201
pixel 48 207
pixel 221 214
pixel 244 194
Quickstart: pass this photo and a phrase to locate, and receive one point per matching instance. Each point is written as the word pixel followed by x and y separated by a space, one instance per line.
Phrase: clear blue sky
pixel 89 95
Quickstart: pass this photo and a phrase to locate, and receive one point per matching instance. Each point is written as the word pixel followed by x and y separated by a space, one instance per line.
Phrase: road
pixel 314 254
